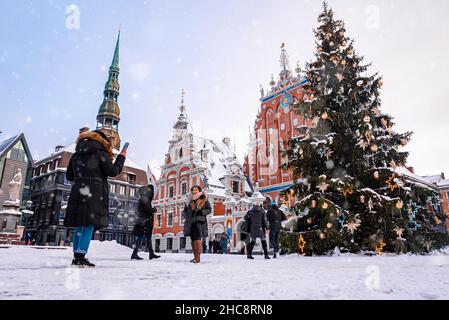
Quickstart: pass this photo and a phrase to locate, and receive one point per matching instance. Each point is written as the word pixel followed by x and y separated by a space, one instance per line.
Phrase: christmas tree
pixel 353 190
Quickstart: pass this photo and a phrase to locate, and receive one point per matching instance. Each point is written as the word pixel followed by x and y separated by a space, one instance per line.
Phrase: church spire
pixel 115 60
pixel 108 117
pixel 284 59
pixel 182 119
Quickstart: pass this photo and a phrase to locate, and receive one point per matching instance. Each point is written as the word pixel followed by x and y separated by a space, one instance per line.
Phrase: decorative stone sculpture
pixel 14 187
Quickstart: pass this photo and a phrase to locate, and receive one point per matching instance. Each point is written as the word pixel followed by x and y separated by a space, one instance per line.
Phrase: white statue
pixel 14 186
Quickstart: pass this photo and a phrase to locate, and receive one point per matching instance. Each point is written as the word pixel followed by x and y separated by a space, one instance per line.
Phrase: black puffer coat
pixel 89 167
pixel 257 222
pixel 197 212
pixel 275 217
pixel 145 211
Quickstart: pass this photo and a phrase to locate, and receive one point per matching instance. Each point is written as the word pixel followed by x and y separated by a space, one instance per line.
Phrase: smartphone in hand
pixel 125 148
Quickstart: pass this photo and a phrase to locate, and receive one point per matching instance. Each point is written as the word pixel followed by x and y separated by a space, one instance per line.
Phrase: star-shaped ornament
pixel 399 232
pixel 353 225
pixel 362 144
pixel 339 77
pixel 323 187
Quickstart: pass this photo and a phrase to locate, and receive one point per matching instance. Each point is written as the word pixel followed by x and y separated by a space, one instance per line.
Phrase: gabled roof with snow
pixel 220 160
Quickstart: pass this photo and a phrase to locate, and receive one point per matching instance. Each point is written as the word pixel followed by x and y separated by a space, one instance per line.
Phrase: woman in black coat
pixel 258 226
pixel 196 210
pixel 143 228
pixel 88 206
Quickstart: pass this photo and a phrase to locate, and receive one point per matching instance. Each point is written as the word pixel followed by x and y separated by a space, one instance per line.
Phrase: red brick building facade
pixel 275 125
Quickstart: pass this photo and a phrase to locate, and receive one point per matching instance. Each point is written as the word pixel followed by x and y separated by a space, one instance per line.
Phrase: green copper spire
pixel 108 117
pixel 115 60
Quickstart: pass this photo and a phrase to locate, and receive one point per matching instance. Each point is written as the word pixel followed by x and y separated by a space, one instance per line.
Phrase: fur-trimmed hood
pixel 93 136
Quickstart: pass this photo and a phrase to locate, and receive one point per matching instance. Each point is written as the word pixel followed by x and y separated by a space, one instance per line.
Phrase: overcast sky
pixel 52 71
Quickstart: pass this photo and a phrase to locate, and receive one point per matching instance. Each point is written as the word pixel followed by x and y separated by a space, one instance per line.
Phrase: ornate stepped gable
pixel 274 126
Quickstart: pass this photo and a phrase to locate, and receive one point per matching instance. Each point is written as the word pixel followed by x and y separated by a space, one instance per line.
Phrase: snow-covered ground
pixel 29 273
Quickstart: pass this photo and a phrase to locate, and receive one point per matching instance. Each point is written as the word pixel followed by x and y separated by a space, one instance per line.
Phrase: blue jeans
pixel 81 239
pixel 224 247
pixel 274 240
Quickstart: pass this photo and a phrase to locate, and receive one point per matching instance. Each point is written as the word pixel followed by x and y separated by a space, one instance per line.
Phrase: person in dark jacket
pixel 143 228
pixel 258 226
pixel 88 205
pixel 275 216
pixel 211 245
pixel 224 243
pixel 195 212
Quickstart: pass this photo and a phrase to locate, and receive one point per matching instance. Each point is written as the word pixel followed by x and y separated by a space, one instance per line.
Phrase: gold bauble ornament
pixel 325 205
pixel 376 175
pixel 380 84
pixel 404 142
pixel 309 220
pixel 366 119
pixel 343 62
pixel 384 122
pixel 399 204
pixel 313 204
pixel 374 148
pixel 329 225
pixel 324 116
pixel 322 236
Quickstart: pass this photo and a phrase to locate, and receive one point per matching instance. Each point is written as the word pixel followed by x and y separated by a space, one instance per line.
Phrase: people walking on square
pixel 88 205
pixel 275 216
pixel 258 226
pixel 196 210
pixel 143 228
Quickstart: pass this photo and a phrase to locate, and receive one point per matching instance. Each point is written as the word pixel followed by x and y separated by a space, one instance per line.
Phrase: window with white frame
pixel 122 190
pixel 295 122
pixel 159 220
pixel 132 192
pixel 171 191
pixel 170 219
pixel 184 188
pixel 112 188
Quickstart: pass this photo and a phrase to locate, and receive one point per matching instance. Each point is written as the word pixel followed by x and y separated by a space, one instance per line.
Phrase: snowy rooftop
pixel 416 178
pixel 220 161
pixel 71 149
pixel 28 273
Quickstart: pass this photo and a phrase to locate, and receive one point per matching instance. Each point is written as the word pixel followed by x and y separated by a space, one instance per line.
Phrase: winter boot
pixel 135 256
pixel 197 248
pixel 84 263
pixel 265 249
pixel 76 259
pixel 250 250
pixel 150 249
pixel 275 255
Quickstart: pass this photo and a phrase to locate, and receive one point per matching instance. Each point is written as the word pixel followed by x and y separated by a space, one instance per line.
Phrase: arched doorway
pixel 241 238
